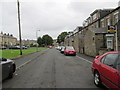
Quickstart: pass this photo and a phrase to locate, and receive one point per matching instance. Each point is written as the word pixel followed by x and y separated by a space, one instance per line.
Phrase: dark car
pixel 17 47
pixel 69 50
pixel 62 49
pixel 14 47
pixel 8 68
pixel 24 47
pixel 106 70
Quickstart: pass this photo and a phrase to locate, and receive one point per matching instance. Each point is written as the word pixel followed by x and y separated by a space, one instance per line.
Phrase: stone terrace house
pixel 7 39
pixel 27 42
pixel 94 37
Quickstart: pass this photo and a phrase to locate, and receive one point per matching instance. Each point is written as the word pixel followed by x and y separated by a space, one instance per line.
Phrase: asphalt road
pixel 53 70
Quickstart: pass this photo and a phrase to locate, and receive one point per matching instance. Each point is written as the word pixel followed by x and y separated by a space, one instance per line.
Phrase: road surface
pixel 53 70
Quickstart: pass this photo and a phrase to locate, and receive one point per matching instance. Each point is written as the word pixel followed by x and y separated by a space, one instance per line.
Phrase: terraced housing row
pixel 100 33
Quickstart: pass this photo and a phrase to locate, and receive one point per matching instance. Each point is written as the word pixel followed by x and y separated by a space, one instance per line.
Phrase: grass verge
pixel 11 53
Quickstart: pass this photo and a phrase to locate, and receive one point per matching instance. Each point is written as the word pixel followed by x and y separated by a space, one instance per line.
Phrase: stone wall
pixel 89 43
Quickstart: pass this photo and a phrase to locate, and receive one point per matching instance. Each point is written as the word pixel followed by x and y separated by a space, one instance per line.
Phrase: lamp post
pixel 37 38
pixel 19 23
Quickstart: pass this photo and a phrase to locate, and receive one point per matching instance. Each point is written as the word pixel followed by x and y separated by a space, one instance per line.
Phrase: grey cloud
pixel 49 17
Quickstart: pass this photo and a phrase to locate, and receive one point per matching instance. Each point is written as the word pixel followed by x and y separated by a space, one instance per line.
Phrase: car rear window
pixel 70 48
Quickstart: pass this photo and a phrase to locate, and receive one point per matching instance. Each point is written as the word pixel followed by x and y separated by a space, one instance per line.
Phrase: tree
pixel 61 37
pixel 47 40
pixel 39 41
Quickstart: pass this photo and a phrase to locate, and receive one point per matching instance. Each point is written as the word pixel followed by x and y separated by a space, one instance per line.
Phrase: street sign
pixel 111 29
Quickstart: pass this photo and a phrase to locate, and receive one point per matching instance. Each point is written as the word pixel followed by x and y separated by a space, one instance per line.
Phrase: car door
pixel 118 68
pixel 5 69
pixel 108 70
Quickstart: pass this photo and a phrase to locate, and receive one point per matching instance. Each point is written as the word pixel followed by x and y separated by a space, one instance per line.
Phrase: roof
pixel 100 10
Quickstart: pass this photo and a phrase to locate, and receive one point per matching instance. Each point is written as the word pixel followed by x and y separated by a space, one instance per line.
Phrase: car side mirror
pixel 4 59
pixel 97 56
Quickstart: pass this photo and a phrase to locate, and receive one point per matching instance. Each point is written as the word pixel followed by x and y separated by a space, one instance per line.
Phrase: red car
pixel 69 50
pixel 106 70
pixel 50 47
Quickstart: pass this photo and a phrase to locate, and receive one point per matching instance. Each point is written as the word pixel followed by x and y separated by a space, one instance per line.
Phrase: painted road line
pixel 23 64
pixel 17 68
pixel 84 59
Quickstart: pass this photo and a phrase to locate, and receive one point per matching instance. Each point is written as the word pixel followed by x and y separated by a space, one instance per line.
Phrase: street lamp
pixel 37 38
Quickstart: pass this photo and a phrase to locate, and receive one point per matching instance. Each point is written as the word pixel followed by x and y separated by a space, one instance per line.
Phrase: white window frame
pixel 102 23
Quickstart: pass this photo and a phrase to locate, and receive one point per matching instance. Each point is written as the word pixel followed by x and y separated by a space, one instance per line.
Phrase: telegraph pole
pixel 19 23
pixel 116 38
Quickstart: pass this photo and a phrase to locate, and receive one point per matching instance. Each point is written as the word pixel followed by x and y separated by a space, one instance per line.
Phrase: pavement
pixel 90 58
pixel 53 70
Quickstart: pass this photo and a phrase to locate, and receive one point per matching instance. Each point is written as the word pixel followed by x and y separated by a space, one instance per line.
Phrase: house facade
pixel 100 33
pixel 7 39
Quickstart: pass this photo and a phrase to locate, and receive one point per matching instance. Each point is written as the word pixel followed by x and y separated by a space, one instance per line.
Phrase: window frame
pixel 104 57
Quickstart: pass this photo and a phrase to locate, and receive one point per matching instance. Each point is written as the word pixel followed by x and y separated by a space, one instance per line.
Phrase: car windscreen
pixel 70 48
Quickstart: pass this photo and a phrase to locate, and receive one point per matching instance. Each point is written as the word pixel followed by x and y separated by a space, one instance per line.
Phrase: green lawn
pixel 37 48
pixel 14 53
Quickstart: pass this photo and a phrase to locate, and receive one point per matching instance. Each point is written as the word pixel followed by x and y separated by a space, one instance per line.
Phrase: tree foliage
pixel 61 37
pixel 45 40
pixel 39 41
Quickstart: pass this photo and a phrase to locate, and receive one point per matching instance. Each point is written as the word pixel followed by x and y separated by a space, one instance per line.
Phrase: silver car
pixel 8 68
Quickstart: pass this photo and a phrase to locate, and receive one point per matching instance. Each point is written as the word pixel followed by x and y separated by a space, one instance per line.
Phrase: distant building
pixel 55 42
pixel 7 39
pixel 28 42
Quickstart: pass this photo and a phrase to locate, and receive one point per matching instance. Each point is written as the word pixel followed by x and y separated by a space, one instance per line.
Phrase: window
pixel 110 60
pixel 115 18
pixel 102 60
pixel 118 63
pixel 102 23
pixel 70 48
pixel 94 16
pixel 108 21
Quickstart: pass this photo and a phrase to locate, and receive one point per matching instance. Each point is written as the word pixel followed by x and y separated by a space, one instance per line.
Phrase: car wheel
pixel 10 75
pixel 75 55
pixel 11 72
pixel 97 80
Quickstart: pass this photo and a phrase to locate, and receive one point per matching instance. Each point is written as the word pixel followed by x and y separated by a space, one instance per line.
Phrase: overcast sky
pixel 49 16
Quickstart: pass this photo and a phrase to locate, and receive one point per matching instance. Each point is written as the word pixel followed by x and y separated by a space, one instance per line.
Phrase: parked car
pixel 8 68
pixel 24 47
pixel 50 47
pixel 14 47
pixel 2 47
pixel 62 49
pixel 58 47
pixel 17 47
pixel 69 50
pixel 106 70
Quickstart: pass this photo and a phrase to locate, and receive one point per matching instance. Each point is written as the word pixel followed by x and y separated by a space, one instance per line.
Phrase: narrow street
pixel 53 70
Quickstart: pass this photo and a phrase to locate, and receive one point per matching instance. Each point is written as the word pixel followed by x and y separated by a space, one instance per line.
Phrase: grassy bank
pixel 11 53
